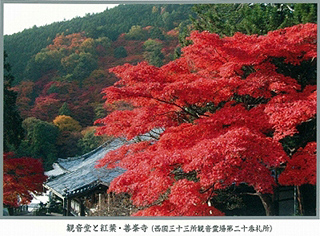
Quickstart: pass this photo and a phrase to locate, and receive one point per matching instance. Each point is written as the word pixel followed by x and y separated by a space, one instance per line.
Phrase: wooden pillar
pixel 82 208
pixel 66 206
pixel 108 196
pixel 100 204
pixel 276 201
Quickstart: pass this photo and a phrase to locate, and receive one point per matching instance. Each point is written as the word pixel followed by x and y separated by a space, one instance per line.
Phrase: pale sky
pixel 17 17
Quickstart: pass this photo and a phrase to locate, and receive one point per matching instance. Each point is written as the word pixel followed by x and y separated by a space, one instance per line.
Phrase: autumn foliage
pixel 21 177
pixel 66 123
pixel 224 109
pixel 301 168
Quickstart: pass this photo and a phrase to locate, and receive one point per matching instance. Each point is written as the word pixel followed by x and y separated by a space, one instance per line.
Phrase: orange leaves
pixel 68 42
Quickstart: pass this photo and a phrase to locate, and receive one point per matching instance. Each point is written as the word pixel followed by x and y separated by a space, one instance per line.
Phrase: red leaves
pixel 144 184
pixel 265 83
pixel 21 177
pixel 288 111
pixel 238 156
pixel 296 43
pixel 224 107
pixel 185 199
pixel 137 122
pixel 131 75
pixel 302 167
pixel 46 107
pixel 189 201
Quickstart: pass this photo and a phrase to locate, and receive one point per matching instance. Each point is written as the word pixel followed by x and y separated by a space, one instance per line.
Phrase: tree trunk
pixel 267 203
pixel 299 200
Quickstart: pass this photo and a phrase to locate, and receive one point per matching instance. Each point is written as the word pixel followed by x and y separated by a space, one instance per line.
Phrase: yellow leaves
pixel 67 123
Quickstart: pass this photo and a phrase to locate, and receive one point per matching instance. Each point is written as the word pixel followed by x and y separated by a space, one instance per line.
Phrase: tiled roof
pixel 76 174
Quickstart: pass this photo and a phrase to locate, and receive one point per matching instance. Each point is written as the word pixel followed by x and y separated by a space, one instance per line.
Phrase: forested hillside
pixel 60 69
pixel 110 23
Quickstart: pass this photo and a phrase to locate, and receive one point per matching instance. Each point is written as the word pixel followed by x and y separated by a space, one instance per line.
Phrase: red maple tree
pixel 21 177
pixel 224 109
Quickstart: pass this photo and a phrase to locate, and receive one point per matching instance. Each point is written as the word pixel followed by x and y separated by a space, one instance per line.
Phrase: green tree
pixel 67 144
pixel 79 66
pixel 86 64
pixel 64 109
pixel 168 20
pixel 12 122
pixel 40 141
pixel 103 41
pixel 43 62
pixel 227 19
pixel 304 13
pixel 185 28
pixel 156 33
pixel 136 33
pixel 28 126
pixel 44 142
pixel 100 111
pixel 120 52
pixel 70 62
pixel 103 45
pixel 88 46
pixel 89 141
pixel 152 52
pixel 68 137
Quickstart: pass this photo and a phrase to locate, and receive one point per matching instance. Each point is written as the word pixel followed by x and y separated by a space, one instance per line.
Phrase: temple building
pixel 82 188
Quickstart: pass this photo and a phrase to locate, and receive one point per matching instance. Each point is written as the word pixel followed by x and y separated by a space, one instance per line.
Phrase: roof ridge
pixel 86 155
